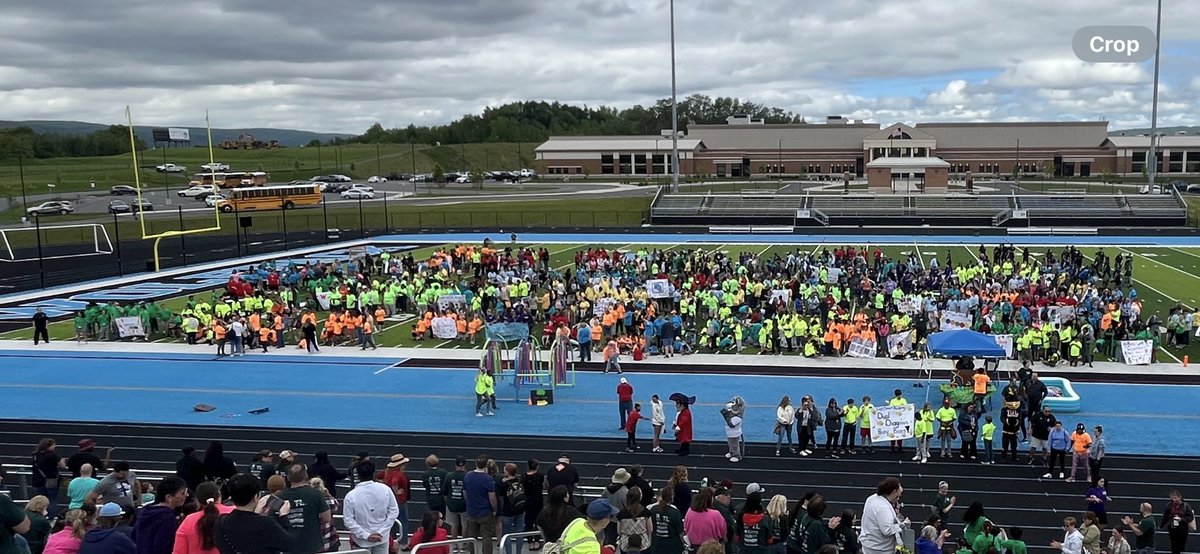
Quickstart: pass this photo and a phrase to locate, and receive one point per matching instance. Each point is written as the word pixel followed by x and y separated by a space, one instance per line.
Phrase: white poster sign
pixel 130 327
pixel 1137 352
pixel 861 348
pixel 179 133
pixel 892 422
pixel 444 328
pixel 785 294
pixel 1005 342
pixel 658 288
pixel 449 300
pixel 1059 314
pixel 602 305
pixel 323 299
pixel 900 344
pixel 954 321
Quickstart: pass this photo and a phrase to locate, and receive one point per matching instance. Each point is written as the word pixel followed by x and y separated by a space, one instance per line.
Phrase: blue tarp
pixel 964 343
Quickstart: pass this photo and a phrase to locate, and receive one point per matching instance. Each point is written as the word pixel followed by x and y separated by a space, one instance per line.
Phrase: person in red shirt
pixel 431 530
pixel 624 401
pixel 683 422
pixel 631 428
pixel 395 478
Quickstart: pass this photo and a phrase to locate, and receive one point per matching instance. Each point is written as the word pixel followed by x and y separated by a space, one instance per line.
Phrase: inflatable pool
pixel 1062 398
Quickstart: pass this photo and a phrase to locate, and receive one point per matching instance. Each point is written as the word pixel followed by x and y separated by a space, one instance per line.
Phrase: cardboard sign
pixel 129 327
pixel 658 288
pixel 444 328
pixel 1137 352
pixel 1005 342
pixel 892 422
pixel 900 344
pixel 861 348
pixel 954 321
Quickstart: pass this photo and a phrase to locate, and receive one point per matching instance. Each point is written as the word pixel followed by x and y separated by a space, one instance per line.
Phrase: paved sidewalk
pixel 741 363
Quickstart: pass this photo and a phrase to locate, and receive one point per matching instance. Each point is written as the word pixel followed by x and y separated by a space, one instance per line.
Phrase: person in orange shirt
pixel 265 337
pixel 612 355
pixel 368 330
pixel 380 315
pixel 277 326
pixel 474 327
pixel 420 329
pixel 597 333
pixel 254 323
pixel 460 325
pixel 981 384
pixel 1081 443
pixel 219 335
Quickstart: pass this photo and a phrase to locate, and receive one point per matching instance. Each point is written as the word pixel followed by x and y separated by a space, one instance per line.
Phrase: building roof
pixel 793 136
pixel 1166 141
pixel 1033 134
pixel 888 132
pixel 615 143
pixel 908 163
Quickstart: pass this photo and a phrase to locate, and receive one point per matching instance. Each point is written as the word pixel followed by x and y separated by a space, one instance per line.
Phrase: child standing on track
pixel 631 422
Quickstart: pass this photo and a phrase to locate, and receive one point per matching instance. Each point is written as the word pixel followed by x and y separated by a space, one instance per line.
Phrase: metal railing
pixel 504 540
pixel 448 542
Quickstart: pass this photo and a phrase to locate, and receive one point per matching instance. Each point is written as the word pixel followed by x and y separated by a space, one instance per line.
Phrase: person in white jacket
pixel 882 528
pixel 1072 543
pixel 369 511
pixel 785 418
pixel 657 419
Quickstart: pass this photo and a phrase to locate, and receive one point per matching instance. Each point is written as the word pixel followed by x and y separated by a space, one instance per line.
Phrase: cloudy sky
pixel 340 66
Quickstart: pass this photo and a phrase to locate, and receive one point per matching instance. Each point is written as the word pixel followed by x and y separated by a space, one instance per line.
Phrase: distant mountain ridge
pixel 288 137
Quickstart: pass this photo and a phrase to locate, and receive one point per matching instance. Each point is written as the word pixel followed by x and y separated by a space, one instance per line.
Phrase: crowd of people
pixel 1058 306
pixel 211 505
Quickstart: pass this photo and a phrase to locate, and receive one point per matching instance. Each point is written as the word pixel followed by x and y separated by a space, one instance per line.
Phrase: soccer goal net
pixel 19 244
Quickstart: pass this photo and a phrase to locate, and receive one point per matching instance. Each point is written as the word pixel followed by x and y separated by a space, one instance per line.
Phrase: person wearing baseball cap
pixel 624 401
pixel 580 535
pixel 104 537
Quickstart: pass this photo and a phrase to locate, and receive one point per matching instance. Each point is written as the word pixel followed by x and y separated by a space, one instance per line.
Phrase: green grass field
pixel 1163 277
pixel 284 164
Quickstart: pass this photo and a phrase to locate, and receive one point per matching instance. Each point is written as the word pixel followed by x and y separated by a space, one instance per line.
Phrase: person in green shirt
pixel 988 431
pixel 455 498
pixel 974 522
pixel 1014 544
pixel 667 535
pixel 1143 529
pixel 309 512
pixel 433 479
pixel 13 522
pixel 81 325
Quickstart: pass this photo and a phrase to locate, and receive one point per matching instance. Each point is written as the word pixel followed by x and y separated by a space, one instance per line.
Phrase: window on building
pixel 606 164
pixel 639 164
pixel 1138 162
pixel 1193 162
pixel 920 152
pixel 1175 162
pixel 626 163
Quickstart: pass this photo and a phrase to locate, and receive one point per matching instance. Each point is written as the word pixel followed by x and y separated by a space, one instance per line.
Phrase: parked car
pixel 118 207
pixel 358 194
pixel 61 207
pixel 196 191
pixel 1193 188
pixel 170 168
pixel 326 178
pixel 1179 185
pixel 376 179
pixel 339 178
pixel 527 174
pixel 143 206
pixel 505 176
pixel 212 199
pixel 215 167
pixel 462 179
pixel 360 186
pixel 419 178
pixel 118 190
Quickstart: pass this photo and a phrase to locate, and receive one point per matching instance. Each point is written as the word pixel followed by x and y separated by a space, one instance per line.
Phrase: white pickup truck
pixel 170 168
pixel 215 166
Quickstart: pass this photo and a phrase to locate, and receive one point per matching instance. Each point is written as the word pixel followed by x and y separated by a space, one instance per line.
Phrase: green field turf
pixel 1163 277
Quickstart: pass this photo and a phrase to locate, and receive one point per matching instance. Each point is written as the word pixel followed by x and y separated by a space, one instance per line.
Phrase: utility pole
pixel 1152 156
pixel 24 199
pixel 674 112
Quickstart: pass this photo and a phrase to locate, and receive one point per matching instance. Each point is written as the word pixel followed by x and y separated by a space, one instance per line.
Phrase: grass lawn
pixel 1163 277
pixel 284 164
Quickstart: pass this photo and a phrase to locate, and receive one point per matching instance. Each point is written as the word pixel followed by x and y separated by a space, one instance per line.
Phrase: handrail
pixel 447 542
pixel 518 535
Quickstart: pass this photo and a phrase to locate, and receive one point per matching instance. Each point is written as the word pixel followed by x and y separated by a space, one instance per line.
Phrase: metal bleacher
pixel 768 207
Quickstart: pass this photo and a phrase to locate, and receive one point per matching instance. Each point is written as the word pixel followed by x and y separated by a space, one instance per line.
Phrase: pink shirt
pixel 187 536
pixel 62 542
pixel 702 526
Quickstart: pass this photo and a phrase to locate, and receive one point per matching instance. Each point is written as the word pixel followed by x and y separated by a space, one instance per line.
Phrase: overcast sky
pixel 339 66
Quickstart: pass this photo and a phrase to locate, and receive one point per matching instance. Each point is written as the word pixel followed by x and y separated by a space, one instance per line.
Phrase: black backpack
pixel 514 497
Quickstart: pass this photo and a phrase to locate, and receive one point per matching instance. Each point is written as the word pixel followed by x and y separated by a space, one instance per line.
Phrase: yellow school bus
pixel 246 199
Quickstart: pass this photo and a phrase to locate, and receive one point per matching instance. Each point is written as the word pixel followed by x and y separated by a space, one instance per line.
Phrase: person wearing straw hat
pixel 615 494
pixel 397 480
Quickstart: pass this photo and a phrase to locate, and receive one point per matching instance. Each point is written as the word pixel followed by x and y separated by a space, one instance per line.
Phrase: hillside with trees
pixel 24 142
pixel 535 121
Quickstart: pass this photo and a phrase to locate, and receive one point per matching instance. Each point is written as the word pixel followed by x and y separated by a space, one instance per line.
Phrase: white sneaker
pixel 924 460
pixel 1047 476
pixel 658 449
pixel 728 455
pixel 916 458
pixel 803 452
pixel 807 452
pixel 477 414
pixel 1061 475
pixel 491 413
pixel 734 459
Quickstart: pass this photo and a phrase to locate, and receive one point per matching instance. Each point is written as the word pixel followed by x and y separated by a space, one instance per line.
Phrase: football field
pixel 1163 276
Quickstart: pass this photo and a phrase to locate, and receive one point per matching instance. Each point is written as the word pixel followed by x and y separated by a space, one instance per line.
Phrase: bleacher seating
pixel 1071 206
pixel 677 204
pixel 858 205
pixel 1157 205
pixel 960 206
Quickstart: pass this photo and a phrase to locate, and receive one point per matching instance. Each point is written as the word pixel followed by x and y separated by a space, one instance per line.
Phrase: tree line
pixel 24 142
pixel 532 121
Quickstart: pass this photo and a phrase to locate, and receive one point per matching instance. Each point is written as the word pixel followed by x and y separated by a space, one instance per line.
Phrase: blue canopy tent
pixel 964 343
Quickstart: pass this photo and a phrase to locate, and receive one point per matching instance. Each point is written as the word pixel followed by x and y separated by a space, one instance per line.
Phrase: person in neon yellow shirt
pixel 946 416
pixel 898 400
pixel 864 424
pixel 988 431
pixel 485 388
pixel 849 422
pixel 924 432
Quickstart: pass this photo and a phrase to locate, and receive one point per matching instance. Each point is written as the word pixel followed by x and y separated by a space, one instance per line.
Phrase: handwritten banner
pixel 892 422
pixel 1137 352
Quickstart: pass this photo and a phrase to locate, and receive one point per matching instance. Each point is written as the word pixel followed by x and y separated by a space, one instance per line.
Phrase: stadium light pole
pixel 674 111
pixel 117 233
pixel 1153 154
pixel 37 222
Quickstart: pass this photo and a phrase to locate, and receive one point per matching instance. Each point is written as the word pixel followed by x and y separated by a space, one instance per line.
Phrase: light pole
pixel 21 169
pixel 674 112
pixel 1152 156
pixel 37 222
pixel 117 232
pixel 378 163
